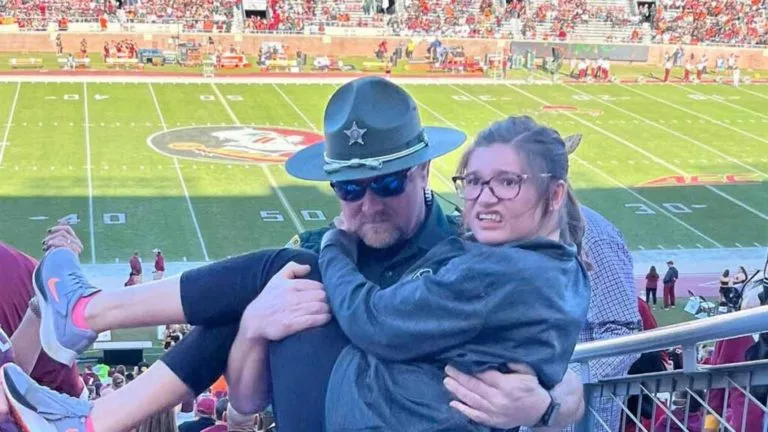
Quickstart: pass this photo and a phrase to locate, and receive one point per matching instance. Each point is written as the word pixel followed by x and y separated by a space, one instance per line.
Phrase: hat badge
pixel 355 134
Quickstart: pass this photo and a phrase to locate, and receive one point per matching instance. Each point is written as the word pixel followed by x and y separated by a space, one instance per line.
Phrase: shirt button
pixel 388 273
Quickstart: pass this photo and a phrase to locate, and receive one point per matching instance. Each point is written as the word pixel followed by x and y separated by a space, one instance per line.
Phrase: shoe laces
pixel 79 280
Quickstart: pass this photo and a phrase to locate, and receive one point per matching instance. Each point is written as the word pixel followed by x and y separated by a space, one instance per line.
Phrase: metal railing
pixel 680 400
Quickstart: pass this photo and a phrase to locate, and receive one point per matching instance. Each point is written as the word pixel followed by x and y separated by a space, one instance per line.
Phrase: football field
pixel 196 169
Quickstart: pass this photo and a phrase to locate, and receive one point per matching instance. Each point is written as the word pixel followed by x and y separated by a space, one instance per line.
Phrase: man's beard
pixel 379 235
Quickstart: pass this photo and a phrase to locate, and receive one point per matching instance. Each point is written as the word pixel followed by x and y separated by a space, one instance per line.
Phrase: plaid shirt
pixel 612 309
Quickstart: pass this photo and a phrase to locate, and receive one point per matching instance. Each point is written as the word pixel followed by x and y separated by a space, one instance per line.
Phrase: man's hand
pixel 287 305
pixel 62 236
pixel 499 400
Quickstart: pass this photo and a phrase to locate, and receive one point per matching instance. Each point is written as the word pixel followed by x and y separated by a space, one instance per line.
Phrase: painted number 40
pixel 107 218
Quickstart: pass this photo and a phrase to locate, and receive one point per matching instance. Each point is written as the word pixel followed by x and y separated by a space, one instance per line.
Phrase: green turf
pixel 629 138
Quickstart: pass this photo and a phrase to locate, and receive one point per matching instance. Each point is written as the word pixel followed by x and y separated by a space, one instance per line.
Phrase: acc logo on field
pixel 233 144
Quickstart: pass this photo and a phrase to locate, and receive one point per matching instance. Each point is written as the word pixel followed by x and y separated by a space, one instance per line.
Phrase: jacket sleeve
pixel 411 319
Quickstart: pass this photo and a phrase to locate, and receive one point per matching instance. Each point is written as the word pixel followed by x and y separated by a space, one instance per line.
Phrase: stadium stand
pixel 740 22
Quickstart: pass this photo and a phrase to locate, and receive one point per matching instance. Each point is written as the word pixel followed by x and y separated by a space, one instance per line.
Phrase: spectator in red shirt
pixel 651 285
pixel 22 324
pixel 159 264
pixel 136 266
pixel 221 417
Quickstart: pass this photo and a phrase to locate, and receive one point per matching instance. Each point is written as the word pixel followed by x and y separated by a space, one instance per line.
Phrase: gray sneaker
pixel 39 409
pixel 60 283
pixel 6 349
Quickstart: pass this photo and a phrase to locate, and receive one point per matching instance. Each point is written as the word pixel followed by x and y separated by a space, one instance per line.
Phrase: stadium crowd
pixel 740 22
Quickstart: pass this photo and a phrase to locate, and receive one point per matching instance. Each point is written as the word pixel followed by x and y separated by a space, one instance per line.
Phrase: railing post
pixel 587 419
pixel 690 358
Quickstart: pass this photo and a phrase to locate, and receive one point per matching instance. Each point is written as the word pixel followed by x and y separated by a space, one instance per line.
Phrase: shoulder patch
pixel 294 243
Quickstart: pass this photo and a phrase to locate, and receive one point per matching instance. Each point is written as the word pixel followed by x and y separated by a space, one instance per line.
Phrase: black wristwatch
pixel 548 418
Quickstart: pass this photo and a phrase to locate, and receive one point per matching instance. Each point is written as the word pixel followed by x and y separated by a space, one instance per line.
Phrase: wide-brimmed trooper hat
pixel 372 127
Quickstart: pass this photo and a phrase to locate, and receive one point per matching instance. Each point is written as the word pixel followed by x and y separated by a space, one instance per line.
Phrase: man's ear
pixel 423 173
pixel 572 143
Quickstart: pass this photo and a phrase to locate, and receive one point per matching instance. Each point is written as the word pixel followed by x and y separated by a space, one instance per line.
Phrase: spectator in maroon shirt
pixel 159 264
pixel 22 324
pixel 136 266
pixel 651 285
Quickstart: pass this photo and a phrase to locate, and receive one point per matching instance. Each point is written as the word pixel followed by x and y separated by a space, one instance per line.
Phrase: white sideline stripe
pixel 658 160
pixel 4 142
pixel 88 171
pixel 722 101
pixel 292 213
pixel 611 179
pixel 650 96
pixel 181 178
pixel 674 132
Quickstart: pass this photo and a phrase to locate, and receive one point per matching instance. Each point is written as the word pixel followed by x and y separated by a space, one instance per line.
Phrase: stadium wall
pixel 364 46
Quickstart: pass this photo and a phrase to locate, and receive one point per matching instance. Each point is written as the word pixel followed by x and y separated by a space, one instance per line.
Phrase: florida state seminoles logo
pixel 233 144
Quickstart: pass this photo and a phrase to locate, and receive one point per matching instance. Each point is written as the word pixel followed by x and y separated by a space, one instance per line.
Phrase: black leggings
pixel 214 298
pixel 648 293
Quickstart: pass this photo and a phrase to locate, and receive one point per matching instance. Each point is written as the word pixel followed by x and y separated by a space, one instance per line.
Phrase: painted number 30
pixel 643 209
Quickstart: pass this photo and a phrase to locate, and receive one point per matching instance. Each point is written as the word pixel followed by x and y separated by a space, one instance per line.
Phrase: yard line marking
pixel 660 247
pixel 679 246
pixel 447 123
pixel 616 182
pixel 722 101
pixel 295 108
pixel 699 246
pixel 291 212
pixel 738 245
pixel 181 178
pixel 4 142
pixel 658 160
pixel 640 247
pixel 754 93
pixel 756 244
pixel 677 134
pixel 721 123
pixel 88 170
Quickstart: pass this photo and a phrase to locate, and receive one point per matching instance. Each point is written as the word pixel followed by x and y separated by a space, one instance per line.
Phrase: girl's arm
pixel 408 320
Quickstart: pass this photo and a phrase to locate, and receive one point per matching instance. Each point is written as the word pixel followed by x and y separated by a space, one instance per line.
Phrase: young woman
pixel 651 285
pixel 515 290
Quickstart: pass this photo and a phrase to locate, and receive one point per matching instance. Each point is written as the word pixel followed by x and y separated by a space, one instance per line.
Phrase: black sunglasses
pixel 385 186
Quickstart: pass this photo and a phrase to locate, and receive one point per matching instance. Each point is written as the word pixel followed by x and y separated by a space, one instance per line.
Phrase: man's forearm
pixel 26 342
pixel 570 394
pixel 248 374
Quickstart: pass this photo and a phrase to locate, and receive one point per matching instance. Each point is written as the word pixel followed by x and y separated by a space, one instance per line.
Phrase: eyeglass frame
pixel 487 183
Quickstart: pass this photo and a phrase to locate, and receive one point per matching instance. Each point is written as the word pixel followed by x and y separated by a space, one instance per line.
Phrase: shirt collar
pixel 434 229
